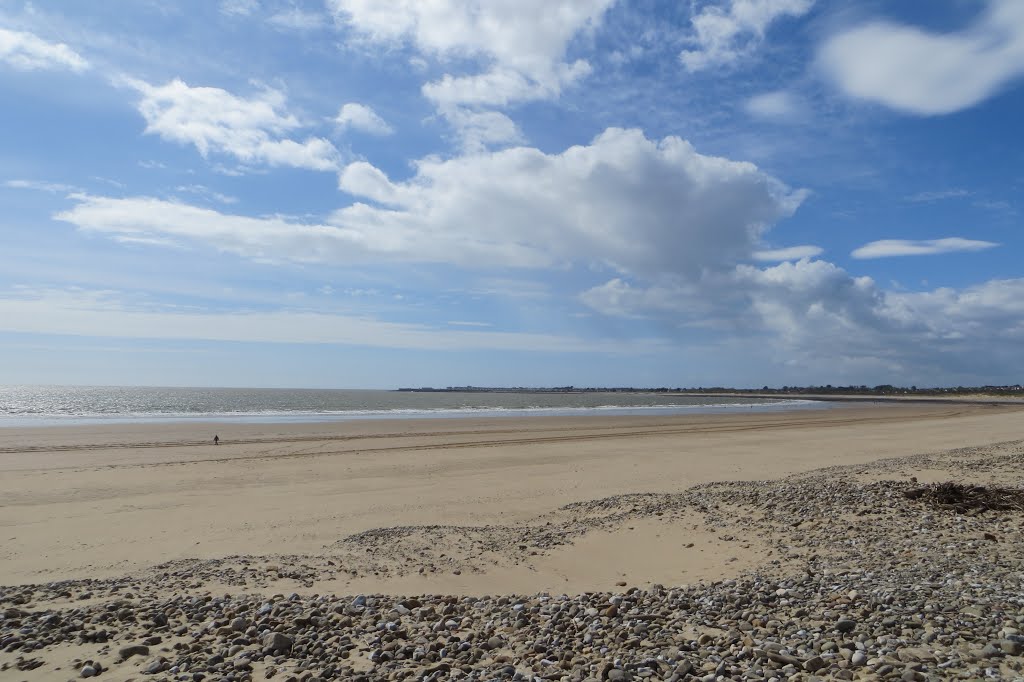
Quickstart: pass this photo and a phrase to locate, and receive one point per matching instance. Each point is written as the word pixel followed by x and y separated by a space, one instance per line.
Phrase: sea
pixel 56 405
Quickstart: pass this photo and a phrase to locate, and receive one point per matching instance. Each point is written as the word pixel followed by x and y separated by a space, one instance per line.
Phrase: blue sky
pixel 359 193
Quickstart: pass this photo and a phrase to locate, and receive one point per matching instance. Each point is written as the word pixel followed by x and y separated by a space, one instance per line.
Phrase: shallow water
pixel 47 405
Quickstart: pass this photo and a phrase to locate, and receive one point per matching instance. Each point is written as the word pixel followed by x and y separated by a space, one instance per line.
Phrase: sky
pixel 385 193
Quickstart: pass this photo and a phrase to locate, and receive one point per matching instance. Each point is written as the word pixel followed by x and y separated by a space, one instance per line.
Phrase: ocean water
pixel 50 405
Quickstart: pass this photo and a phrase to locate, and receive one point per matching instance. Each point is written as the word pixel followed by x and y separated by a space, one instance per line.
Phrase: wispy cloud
pixel 104 314
pixel 239 8
pixel 938 195
pixel 39 186
pixel 28 52
pixel 295 19
pixel 887 248
pixel 464 323
pixel 724 33
pixel 207 193
pixel 779 105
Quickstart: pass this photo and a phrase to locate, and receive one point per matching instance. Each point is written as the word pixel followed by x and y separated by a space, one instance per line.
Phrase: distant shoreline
pixel 964 399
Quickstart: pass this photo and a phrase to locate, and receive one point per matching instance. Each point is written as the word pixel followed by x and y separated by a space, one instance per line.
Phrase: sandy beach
pixel 451 507
pixel 100 501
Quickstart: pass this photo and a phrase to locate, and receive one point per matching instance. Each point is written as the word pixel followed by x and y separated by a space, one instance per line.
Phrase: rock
pixel 845 625
pixel 858 659
pixel 87 671
pixel 992 650
pixel 814 664
pixel 276 641
pixel 238 625
pixel 127 652
pixel 495 643
pixel 1011 647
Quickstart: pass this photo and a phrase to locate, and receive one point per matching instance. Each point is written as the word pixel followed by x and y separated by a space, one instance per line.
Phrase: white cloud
pixel 480 130
pixel 51 187
pixel 503 86
pixel 774 105
pixel 817 319
pixel 788 253
pixel 207 193
pixel 519 45
pixel 920 72
pixel 886 248
pixel 823 317
pixel 216 121
pixel 466 323
pixel 637 205
pixel 361 117
pixel 240 8
pixel 108 314
pixel 28 52
pixel 619 298
pixel 726 32
pixel 295 19
pixel 634 204
pixel 937 195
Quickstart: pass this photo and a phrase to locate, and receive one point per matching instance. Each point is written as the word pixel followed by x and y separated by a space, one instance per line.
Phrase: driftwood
pixel 968 498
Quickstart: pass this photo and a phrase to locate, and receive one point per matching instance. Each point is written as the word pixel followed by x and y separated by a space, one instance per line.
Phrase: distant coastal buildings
pixel 1013 390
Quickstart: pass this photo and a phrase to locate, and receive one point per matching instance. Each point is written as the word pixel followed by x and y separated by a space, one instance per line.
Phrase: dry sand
pixel 821 565
pixel 105 501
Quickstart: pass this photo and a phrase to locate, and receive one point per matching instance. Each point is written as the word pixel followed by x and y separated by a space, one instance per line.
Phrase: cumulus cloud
pixel 788 253
pixel 821 314
pixel 886 248
pixel 528 37
pixel 817 318
pixel 520 48
pixel 636 205
pixel 925 73
pixel 724 33
pixel 28 52
pixel 363 118
pixel 479 130
pixel 216 121
pixel 619 298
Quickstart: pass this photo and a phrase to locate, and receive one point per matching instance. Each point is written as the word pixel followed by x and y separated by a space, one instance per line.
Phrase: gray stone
pixel 88 671
pixel 276 641
pixel 127 652
pixel 1011 647
pixel 846 625
pixel 992 650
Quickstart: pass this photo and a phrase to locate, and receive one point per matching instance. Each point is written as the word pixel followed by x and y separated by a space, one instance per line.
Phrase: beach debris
pixel 964 498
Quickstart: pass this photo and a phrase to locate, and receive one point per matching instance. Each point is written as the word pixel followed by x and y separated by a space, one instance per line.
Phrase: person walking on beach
pixel 216 440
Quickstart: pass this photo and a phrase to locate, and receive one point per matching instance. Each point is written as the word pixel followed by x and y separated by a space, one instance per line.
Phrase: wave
pixel 29 416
